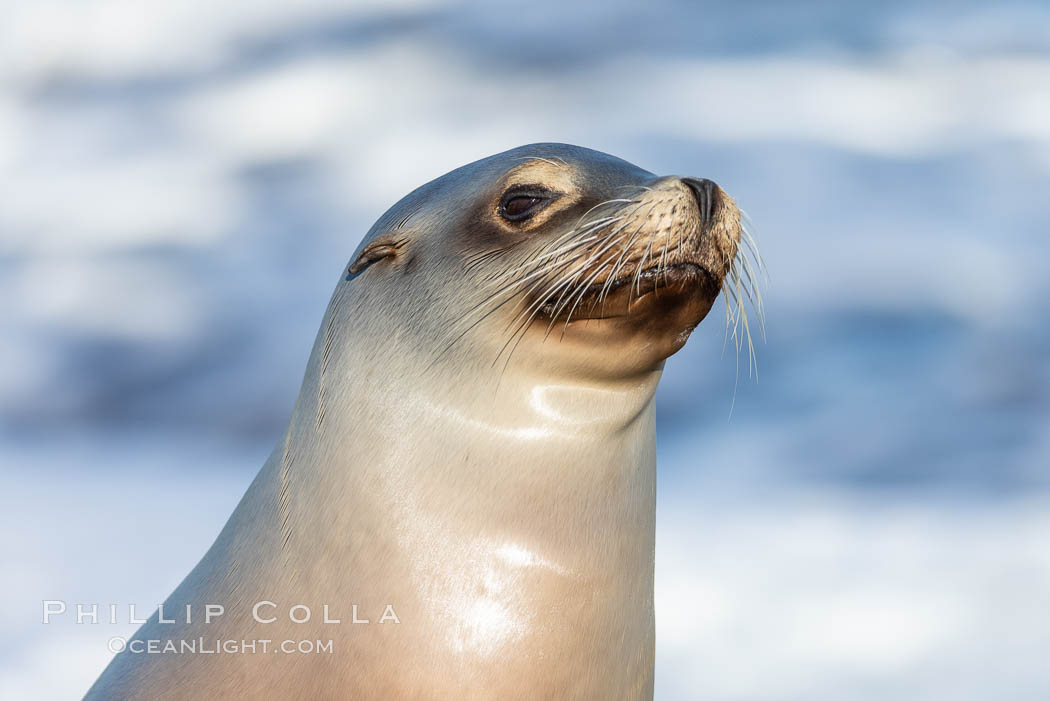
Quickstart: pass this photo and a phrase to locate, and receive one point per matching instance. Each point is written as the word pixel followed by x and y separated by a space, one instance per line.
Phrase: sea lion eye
pixel 519 204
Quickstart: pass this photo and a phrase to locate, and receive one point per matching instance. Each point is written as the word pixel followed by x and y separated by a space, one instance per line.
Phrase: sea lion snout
pixel 687 220
pixel 672 239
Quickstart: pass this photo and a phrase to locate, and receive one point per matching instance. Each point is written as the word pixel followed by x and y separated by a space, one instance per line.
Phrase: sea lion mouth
pixel 638 292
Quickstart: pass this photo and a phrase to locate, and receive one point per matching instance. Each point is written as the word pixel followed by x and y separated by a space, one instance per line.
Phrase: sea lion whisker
pixel 637 188
pixel 752 358
pixel 607 243
pixel 624 251
pixel 536 306
pixel 578 294
pixel 606 250
pixel 736 286
pixel 544 297
pixel 582 293
pixel 755 273
pixel 745 267
pixel 549 161
pixel 508 288
pixel 725 340
pixel 474 261
pixel 562 264
pixel 619 263
pixel 753 247
pixel 478 306
pixel 637 282
pixel 517 281
pixel 662 270
pixel 729 287
pixel 590 235
pixel 471 326
pixel 754 294
pixel 615 200
pixel 579 229
pixel 567 280
pixel 522 329
pixel 564 284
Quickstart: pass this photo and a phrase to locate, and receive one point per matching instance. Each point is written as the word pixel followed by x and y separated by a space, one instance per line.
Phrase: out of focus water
pixel 181 183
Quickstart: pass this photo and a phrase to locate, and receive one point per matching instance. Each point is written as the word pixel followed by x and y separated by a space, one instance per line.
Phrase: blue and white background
pixel 181 183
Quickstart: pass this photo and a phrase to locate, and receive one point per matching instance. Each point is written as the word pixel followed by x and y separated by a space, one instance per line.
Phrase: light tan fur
pixel 500 499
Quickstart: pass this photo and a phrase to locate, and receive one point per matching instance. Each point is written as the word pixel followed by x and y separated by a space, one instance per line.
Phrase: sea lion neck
pixel 515 438
pixel 518 399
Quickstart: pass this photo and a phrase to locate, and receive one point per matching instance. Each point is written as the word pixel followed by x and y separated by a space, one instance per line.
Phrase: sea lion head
pixel 550 255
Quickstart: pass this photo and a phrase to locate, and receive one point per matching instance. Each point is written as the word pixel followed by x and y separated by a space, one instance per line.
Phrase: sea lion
pixel 470 465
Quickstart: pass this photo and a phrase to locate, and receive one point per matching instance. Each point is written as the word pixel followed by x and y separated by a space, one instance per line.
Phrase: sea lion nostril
pixel 706 192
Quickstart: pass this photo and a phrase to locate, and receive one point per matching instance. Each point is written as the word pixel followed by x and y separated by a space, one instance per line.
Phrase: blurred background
pixel 181 184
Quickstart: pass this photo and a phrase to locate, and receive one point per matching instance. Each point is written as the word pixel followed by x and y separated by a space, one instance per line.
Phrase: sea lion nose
pixel 707 194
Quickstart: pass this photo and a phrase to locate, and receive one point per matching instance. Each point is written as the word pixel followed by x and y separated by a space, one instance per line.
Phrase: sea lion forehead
pixel 561 160
pixel 581 171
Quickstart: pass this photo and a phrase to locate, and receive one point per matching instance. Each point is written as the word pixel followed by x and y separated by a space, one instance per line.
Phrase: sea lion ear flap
pixel 384 246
